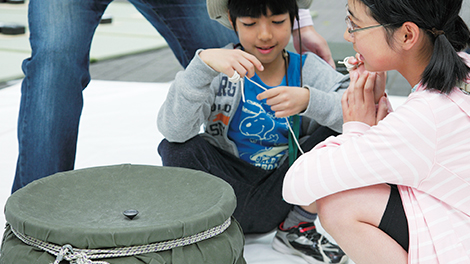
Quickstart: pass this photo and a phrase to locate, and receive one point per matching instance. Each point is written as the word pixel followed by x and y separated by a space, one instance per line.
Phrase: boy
pixel 247 131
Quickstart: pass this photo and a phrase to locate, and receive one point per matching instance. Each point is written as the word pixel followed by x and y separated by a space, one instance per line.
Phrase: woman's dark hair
pixel 445 29
pixel 258 8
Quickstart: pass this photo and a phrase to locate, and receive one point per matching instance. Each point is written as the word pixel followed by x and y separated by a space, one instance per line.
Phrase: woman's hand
pixel 286 100
pixel 358 101
pixel 380 81
pixel 228 61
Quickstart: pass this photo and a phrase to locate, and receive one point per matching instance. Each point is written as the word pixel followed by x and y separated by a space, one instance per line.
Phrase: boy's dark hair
pixel 445 29
pixel 257 8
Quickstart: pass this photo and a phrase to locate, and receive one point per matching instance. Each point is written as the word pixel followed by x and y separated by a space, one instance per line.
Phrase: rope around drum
pixel 85 256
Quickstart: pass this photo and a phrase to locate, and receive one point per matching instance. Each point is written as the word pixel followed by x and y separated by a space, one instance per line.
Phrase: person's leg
pixel 55 75
pixel 304 212
pixel 244 178
pixel 185 25
pixel 352 218
pixel 265 207
pixel 298 235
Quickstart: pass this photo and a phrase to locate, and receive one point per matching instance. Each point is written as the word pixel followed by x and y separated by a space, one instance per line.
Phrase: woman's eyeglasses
pixel 352 28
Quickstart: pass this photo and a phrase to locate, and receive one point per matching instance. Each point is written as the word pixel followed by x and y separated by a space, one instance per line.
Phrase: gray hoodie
pixel 201 96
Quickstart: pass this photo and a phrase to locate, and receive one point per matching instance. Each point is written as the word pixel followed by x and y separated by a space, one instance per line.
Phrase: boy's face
pixel 264 37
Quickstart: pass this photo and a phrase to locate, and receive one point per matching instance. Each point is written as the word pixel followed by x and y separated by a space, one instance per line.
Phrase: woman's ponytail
pixel 446 68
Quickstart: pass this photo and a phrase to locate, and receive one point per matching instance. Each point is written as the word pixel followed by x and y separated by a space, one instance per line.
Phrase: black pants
pixel 260 207
pixel 394 222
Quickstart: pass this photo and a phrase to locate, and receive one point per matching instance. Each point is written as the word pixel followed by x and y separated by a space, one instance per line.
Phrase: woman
pixel 395 188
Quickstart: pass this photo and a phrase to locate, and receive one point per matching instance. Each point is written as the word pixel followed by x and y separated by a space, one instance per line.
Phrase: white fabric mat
pixel 118 125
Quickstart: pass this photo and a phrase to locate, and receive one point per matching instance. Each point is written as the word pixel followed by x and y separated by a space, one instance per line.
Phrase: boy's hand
pixel 228 61
pixel 286 100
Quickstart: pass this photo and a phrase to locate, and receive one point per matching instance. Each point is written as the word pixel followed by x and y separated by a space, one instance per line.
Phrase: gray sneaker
pixel 303 240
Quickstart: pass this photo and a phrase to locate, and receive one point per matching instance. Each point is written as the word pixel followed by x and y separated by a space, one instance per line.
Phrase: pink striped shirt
pixel 424 147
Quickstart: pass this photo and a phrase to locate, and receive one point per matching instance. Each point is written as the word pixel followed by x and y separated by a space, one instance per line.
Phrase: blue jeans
pixel 58 71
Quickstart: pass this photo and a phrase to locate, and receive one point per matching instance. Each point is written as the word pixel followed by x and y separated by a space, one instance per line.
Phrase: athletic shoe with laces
pixel 303 240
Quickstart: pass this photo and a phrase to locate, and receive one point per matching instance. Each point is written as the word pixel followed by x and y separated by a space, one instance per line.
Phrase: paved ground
pixel 129 33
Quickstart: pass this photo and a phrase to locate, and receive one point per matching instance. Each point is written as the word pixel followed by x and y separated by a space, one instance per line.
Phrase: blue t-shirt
pixel 261 137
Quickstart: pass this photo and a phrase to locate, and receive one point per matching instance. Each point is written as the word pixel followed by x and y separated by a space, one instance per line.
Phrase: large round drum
pixel 184 216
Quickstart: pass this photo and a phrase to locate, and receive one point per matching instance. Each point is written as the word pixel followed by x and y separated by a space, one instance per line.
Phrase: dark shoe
pixel 303 240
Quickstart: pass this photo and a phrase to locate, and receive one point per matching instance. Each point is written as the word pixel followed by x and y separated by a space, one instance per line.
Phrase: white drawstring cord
pixel 236 78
